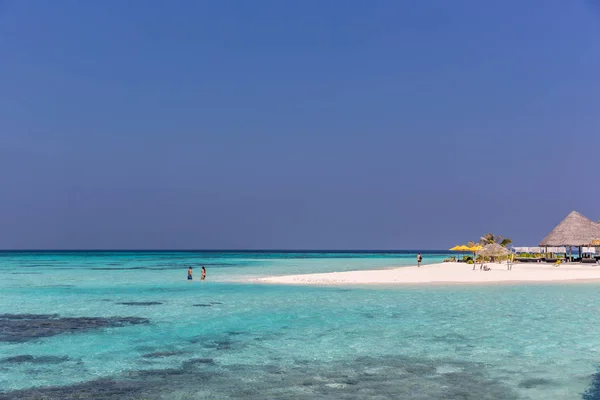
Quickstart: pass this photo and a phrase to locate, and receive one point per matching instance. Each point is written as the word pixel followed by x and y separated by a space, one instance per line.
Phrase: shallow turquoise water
pixel 224 338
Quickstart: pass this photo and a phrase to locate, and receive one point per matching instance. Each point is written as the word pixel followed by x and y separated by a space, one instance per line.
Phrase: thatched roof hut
pixel 574 230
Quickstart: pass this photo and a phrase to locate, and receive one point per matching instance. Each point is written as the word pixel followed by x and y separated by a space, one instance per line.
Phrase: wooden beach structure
pixel 575 230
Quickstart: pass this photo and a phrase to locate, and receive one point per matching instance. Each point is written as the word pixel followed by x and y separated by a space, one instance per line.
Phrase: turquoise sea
pixel 128 325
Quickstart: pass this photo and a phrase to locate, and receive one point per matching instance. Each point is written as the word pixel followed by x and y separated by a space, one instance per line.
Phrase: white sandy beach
pixel 446 273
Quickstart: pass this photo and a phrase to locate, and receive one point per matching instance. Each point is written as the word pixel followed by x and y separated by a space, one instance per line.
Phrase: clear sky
pixel 295 124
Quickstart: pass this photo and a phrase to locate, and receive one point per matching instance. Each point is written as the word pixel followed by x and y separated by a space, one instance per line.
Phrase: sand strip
pixel 446 273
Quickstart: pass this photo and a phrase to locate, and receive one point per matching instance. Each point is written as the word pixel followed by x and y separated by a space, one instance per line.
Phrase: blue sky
pixel 295 125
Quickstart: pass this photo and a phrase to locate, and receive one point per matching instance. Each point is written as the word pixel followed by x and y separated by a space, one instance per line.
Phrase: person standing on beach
pixel 419 259
pixel 203 276
pixel 189 273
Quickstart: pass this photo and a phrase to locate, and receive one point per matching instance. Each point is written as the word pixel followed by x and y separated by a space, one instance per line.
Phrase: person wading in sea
pixel 189 273
pixel 203 276
pixel 419 259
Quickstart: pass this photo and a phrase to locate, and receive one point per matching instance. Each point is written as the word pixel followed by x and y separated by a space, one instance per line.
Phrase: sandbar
pixel 449 272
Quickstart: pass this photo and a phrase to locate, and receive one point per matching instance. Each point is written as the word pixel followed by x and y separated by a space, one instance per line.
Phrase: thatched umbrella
pixel 575 230
pixel 492 250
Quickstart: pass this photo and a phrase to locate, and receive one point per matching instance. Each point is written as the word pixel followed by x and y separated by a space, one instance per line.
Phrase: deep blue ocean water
pixel 128 325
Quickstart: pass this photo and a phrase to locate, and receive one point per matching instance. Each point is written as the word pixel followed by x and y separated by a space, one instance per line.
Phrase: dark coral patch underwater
pixel 355 379
pixel 25 327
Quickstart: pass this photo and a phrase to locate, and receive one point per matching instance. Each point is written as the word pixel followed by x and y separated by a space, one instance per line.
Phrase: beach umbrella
pixel 470 249
pixel 493 250
pixel 460 248
pixel 474 250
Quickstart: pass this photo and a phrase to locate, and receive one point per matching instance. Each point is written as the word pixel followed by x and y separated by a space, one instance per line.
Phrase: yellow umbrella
pixel 455 248
pixel 461 248
pixel 474 249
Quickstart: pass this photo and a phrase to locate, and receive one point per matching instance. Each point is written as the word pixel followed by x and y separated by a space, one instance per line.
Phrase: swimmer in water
pixel 203 277
pixel 189 273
